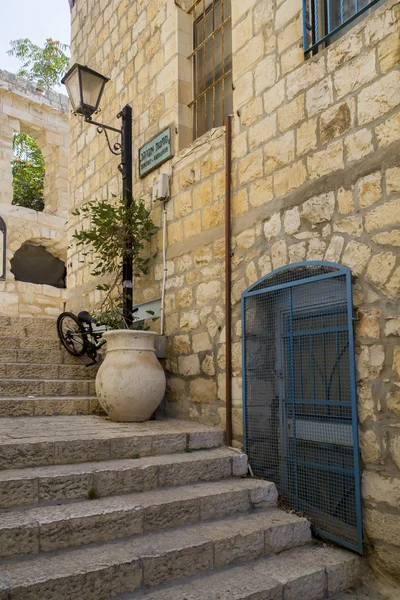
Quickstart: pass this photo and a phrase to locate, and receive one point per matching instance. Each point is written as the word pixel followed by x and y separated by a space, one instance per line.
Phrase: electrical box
pixel 161 187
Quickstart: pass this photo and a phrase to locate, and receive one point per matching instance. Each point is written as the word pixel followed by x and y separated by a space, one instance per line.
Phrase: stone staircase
pixel 91 509
pixel 35 366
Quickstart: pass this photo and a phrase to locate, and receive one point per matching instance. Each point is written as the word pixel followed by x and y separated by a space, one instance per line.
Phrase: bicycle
pixel 81 334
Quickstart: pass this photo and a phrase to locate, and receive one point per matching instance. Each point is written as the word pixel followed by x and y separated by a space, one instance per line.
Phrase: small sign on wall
pixel 155 152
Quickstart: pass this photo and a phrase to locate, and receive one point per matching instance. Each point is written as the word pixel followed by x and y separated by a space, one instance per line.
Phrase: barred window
pixel 212 64
pixel 326 20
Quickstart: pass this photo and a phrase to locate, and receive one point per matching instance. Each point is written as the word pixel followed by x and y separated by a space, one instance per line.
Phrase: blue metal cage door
pixel 299 394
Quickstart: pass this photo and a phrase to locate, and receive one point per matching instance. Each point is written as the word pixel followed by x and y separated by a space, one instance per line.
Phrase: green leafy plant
pixel 115 231
pixel 43 66
pixel 28 171
pixel 92 494
pixel 136 455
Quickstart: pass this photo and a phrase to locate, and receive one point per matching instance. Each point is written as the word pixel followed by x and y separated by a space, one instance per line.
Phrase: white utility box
pixel 161 187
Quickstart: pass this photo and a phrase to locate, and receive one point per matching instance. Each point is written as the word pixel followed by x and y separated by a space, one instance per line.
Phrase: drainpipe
pixel 164 267
pixel 228 306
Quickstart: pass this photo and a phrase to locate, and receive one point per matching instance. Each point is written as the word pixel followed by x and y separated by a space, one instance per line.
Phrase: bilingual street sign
pixel 155 152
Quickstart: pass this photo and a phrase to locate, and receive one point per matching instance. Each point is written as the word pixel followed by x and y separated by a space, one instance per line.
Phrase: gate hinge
pixel 356 314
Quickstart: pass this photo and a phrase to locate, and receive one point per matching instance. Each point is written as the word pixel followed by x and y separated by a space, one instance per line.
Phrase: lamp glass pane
pixel 92 86
pixel 72 85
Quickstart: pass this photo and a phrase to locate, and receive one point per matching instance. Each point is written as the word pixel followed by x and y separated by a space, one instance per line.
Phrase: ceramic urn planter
pixel 130 383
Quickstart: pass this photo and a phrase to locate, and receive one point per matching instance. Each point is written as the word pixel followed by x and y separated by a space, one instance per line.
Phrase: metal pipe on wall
pixel 228 305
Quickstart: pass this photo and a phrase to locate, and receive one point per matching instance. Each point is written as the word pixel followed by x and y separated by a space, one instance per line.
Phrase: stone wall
pixel 315 176
pixel 43 115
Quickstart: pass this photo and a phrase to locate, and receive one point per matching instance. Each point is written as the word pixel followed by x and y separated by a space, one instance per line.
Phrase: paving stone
pixel 19 534
pixel 298 573
pixel 9 342
pixel 29 486
pixel 291 575
pixel 44 387
pixel 121 516
pixel 45 356
pixel 248 538
pixel 47 406
pixel 62 440
pixel 88 574
pixel 206 439
pixel 162 556
pixel 36 342
pixel 21 387
pixel 64 387
pixel 31 371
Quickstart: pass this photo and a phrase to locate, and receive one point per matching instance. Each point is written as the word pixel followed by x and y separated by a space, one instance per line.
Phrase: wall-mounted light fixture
pixel 85 88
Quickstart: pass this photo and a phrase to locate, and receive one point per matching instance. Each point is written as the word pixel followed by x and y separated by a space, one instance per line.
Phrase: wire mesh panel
pixel 299 394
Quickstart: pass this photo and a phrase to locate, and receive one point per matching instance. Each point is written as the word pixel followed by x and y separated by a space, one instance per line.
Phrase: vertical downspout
pixel 164 246
pixel 228 306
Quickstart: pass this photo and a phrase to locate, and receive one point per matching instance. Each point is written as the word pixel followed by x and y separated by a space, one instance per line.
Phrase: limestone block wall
pixel 315 176
pixel 43 115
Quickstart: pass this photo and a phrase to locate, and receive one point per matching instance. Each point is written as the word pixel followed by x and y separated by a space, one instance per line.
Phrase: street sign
pixel 155 152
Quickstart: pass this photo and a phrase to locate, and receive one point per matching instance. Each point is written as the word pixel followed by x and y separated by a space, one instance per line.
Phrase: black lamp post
pixel 85 88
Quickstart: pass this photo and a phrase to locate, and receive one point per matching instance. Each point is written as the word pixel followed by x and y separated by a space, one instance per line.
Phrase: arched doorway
pixel 299 394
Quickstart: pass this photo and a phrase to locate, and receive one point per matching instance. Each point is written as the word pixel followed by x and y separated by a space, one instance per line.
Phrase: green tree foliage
pixel 43 66
pixel 28 172
pixel 114 231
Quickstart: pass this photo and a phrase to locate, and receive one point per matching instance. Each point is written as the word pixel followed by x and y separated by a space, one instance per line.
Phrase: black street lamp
pixel 85 88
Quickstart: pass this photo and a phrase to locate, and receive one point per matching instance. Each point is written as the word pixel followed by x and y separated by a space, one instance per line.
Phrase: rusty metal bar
pixel 216 21
pixel 205 64
pixel 223 59
pixel 210 87
pixel 228 275
pixel 213 60
pixel 209 37
pixel 191 9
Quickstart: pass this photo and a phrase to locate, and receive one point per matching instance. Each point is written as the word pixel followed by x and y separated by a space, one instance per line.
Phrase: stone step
pixel 46 406
pixel 41 356
pixel 309 573
pixel 46 387
pixel 36 486
pixel 42 328
pixel 112 568
pixel 30 342
pixel 40 441
pixel 34 323
pixel 13 370
pixel 50 528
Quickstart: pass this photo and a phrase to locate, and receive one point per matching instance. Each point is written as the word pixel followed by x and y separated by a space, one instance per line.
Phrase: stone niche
pixel 34 264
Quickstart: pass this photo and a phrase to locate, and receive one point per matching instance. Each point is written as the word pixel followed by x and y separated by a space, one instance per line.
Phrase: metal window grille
pixel 299 394
pixel 324 19
pixel 212 64
pixel 3 233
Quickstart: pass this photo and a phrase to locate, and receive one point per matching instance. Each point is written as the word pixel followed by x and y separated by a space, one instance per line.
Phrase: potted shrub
pixel 130 383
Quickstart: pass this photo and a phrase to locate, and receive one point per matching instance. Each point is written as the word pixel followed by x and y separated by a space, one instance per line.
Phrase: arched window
pixel 28 170
pixel 3 232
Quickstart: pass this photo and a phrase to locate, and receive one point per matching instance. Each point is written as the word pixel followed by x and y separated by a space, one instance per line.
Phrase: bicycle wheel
pixel 72 334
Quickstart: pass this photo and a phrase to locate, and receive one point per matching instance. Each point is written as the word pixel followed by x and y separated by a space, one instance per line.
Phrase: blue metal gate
pixel 299 394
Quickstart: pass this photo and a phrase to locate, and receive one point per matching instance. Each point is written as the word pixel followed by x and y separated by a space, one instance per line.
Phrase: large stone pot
pixel 130 383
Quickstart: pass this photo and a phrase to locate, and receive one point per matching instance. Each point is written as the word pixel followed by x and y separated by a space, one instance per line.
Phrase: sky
pixel 33 19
